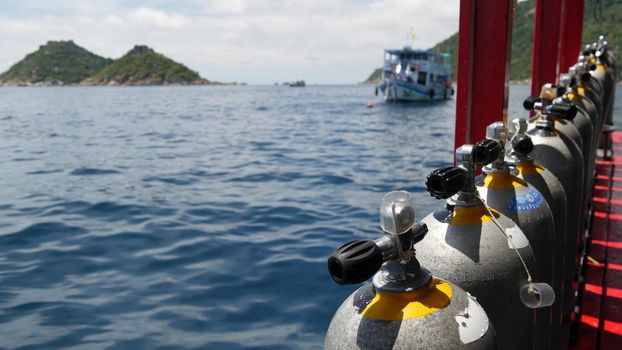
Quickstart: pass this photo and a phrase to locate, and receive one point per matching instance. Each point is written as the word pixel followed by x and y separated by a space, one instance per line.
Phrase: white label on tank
pixel 517 237
pixel 472 322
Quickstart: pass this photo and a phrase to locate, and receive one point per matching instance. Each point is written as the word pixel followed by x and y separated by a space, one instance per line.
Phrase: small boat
pixel 415 75
pixel 297 83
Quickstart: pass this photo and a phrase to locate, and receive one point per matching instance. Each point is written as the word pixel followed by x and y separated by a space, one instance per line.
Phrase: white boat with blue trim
pixel 415 75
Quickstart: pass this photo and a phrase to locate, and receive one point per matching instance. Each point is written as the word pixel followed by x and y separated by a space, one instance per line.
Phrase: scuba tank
pixel 573 123
pixel 586 112
pixel 607 57
pixel 553 192
pixel 482 250
pixel 526 206
pixel 548 93
pixel 588 85
pixel 594 57
pixel 405 306
pixel 563 158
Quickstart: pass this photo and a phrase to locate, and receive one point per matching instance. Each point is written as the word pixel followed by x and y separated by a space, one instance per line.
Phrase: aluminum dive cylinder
pixel 548 94
pixel 552 190
pixel 468 244
pixel 564 159
pixel 590 86
pixel 405 306
pixel 583 123
pixel 525 205
pixel 561 112
pixel 586 110
pixel 599 71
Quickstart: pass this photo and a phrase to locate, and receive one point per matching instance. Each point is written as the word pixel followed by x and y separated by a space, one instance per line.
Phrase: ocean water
pixel 196 217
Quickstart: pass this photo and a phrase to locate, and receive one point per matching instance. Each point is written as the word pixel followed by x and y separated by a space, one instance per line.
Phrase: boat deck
pixel 600 325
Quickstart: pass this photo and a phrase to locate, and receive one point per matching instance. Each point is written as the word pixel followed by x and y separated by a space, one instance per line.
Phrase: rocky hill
pixel 595 23
pixel 143 66
pixel 55 63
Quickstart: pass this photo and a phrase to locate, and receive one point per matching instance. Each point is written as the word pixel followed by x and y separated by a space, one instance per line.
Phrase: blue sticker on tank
pixel 526 202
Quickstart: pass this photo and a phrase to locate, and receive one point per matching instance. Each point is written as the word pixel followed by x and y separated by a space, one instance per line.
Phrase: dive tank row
pixel 496 267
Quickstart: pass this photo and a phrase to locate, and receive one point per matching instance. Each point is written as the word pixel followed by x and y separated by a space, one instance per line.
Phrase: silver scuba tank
pixel 565 113
pixel 481 250
pixel 405 306
pixel 594 57
pixel 553 192
pixel 586 112
pixel 588 85
pixel 548 93
pixel 563 158
pixel 526 206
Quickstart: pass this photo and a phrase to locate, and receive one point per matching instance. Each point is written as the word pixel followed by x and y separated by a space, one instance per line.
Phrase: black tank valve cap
pixel 530 101
pixel 487 151
pixel 522 144
pixel 445 182
pixel 355 262
pixel 565 110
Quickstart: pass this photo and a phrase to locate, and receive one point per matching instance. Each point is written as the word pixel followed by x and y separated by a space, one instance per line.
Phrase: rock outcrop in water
pixel 65 63
pixel 143 66
pixel 55 63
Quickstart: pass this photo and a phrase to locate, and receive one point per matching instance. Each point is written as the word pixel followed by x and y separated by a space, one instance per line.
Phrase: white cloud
pixel 259 41
pixel 145 15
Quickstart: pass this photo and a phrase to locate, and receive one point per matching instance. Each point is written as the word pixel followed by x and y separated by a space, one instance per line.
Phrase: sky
pixel 252 41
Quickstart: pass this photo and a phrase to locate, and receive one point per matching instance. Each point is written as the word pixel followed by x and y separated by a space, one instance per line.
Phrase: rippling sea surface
pixel 196 217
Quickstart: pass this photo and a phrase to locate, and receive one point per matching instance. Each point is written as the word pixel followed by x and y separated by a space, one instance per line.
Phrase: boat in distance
pixel 415 75
pixel 297 83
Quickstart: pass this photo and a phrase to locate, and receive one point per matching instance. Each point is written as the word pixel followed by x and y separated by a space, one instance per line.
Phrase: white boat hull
pixel 395 91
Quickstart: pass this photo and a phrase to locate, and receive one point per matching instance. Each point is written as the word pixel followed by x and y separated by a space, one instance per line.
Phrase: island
pixel 62 63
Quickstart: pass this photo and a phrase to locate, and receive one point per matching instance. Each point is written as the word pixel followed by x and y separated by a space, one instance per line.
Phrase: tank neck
pixel 397 276
pixel 545 125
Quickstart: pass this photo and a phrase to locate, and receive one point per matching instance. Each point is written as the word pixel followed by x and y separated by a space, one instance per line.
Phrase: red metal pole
pixel 571 32
pixel 484 42
pixel 545 55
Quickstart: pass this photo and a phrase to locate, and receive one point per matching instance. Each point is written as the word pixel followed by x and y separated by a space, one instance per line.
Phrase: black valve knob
pixel 522 144
pixel 530 102
pixel 561 90
pixel 445 182
pixel 585 76
pixel 487 151
pixel 355 262
pixel 565 110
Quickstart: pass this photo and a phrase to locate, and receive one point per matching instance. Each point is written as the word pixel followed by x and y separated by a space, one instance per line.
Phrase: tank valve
pixel 487 151
pixel 530 102
pixel 357 261
pixel 445 182
pixel 563 109
pixel 522 144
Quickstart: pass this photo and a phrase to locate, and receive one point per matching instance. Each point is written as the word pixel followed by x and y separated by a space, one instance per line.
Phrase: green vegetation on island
pixel 143 66
pixel 55 63
pixel 375 77
pixel 65 63
pixel 594 24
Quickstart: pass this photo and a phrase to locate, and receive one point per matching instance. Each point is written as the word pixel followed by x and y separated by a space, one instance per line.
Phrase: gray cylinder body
pixel 567 128
pixel 583 124
pixel 586 109
pixel 563 158
pixel 593 90
pixel 554 194
pixel 467 248
pixel 572 137
pixel 352 327
pixel 606 78
pixel 527 207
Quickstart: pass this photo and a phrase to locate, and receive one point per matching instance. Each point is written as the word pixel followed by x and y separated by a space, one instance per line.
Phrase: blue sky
pixel 254 41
